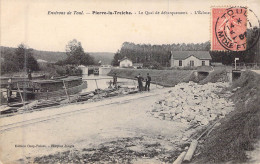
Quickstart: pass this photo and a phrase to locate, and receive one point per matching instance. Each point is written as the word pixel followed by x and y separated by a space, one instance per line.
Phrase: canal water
pixel 103 82
pixel 99 82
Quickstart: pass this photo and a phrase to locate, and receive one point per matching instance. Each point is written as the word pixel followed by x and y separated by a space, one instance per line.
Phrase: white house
pixel 125 62
pixel 190 58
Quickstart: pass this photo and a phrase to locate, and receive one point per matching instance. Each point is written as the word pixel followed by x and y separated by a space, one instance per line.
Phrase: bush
pixel 57 70
pixel 152 65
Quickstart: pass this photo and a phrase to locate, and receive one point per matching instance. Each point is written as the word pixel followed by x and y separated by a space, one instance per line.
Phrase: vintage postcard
pixel 129 81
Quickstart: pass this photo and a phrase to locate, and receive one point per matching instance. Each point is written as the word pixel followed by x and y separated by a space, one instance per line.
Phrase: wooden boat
pixel 47 89
pixel 61 92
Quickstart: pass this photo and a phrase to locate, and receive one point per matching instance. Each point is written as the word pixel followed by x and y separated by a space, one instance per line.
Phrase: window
pixel 180 62
pixel 192 63
pixel 203 63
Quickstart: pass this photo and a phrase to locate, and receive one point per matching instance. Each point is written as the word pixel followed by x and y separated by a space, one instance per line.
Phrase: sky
pixel 28 22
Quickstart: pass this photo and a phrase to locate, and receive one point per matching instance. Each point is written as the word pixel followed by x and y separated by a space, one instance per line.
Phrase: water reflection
pixel 102 82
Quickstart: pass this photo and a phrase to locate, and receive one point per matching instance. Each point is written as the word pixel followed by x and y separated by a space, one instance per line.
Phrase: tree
pixel 25 59
pixel 73 47
pixel 117 57
pixel 19 59
pixel 9 63
pixel 76 54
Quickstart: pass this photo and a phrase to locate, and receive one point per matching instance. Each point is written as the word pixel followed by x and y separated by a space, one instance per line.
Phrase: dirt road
pixel 78 126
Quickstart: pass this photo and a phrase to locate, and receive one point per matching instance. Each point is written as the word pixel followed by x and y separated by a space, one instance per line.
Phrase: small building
pixel 84 69
pixel 138 65
pixel 125 62
pixel 190 58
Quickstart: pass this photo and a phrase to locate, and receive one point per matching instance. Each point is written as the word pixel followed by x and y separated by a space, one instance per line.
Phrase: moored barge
pixel 27 90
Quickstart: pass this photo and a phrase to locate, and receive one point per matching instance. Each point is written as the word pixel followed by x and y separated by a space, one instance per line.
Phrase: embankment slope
pixel 239 131
pixel 166 78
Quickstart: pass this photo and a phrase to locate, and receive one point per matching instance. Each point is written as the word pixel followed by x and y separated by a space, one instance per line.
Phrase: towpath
pixel 78 126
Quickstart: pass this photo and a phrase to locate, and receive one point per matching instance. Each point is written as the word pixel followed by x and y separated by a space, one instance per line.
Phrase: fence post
pixel 66 90
pixel 97 88
pixel 96 83
pixel 20 94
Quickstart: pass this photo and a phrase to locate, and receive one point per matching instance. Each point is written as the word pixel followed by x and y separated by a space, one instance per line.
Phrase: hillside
pixel 54 56
pixel 49 56
pixel 105 57
pixel 167 78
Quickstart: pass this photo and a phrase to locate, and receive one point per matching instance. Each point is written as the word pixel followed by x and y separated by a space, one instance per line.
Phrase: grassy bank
pixel 218 75
pixel 166 78
pixel 239 131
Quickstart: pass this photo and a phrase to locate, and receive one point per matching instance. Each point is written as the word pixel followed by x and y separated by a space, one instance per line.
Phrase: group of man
pixel 140 80
pixel 147 80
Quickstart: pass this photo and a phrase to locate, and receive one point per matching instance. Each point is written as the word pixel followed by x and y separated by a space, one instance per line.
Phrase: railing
pixel 246 65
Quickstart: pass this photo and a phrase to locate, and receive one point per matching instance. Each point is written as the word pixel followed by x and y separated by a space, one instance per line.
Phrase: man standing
pixel 140 82
pixel 29 74
pixel 9 91
pixel 148 81
pixel 115 80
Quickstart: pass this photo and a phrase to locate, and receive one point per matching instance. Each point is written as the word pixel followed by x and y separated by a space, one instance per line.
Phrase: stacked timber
pixel 96 95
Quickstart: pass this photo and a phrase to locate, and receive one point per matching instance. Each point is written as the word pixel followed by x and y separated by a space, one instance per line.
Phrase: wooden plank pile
pixel 96 95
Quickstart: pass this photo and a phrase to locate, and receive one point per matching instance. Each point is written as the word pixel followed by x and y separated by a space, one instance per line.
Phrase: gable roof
pixel 125 58
pixel 181 55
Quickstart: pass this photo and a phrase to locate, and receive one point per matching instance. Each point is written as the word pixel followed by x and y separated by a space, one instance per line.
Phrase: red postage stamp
pixel 228 30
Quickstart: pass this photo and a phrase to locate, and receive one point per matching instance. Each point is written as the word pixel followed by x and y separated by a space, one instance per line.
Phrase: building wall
pixel 126 63
pixel 174 63
pixel 197 62
pixel 207 63
pixel 186 62
pixel 84 70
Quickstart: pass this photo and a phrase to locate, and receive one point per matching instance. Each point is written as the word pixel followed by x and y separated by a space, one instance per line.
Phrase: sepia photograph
pixel 129 81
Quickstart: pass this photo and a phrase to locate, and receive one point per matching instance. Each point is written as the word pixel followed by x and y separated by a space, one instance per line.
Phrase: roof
pixel 125 58
pixel 203 55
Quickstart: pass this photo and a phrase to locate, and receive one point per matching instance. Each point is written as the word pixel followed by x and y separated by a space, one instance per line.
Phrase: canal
pixel 102 82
